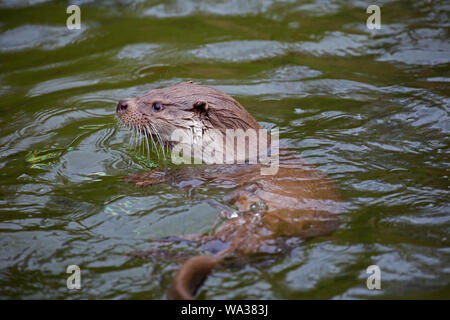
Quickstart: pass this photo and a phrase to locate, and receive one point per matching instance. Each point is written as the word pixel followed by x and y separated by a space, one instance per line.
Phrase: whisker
pixel 141 145
pixel 148 148
pixel 133 137
pixel 157 137
pixel 160 142
pixel 136 138
pixel 140 134
pixel 133 144
pixel 154 147
pixel 162 146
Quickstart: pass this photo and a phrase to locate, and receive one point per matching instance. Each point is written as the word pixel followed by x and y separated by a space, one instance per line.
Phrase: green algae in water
pixel 42 159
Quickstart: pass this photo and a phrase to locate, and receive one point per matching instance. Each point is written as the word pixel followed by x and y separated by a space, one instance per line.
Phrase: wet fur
pixel 299 201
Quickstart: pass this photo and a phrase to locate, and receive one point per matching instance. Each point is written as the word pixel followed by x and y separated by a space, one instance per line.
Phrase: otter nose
pixel 122 106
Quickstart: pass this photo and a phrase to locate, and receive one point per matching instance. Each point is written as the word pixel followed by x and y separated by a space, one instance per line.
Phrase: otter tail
pixel 191 276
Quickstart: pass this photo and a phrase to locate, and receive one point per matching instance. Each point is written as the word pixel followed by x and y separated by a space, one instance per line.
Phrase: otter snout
pixel 122 106
pixel 128 112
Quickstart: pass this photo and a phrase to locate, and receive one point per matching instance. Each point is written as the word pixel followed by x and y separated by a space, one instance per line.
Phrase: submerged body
pixel 298 201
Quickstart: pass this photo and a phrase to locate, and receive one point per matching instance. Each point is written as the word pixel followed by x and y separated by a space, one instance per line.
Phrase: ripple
pixel 420 56
pixel 60 84
pixel 309 275
pixel 139 51
pixel 438 79
pixel 20 3
pixel 431 117
pixel 421 220
pixel 319 8
pixel 38 36
pixel 422 46
pixel 339 87
pixel 378 186
pixel 74 167
pixel 335 43
pixel 406 270
pixel 181 8
pixel 238 51
pixel 292 73
pixel 112 96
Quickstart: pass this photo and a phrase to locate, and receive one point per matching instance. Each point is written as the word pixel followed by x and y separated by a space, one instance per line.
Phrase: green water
pixel 368 107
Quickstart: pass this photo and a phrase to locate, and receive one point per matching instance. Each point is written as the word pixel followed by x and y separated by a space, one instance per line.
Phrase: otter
pixel 297 202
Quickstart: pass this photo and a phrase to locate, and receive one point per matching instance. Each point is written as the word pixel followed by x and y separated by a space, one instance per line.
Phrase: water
pixel 368 107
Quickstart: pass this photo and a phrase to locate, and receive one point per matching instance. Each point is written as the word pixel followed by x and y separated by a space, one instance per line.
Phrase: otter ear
pixel 201 106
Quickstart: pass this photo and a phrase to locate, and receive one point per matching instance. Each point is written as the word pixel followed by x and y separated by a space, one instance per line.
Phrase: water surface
pixel 368 107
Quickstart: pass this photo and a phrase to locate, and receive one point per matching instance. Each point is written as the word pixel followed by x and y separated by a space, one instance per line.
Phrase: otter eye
pixel 157 107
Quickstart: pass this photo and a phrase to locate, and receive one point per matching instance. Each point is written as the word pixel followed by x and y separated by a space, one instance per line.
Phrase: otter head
pixel 186 106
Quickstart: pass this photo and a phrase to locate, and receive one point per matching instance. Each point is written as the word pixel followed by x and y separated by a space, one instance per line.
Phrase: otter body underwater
pixel 298 201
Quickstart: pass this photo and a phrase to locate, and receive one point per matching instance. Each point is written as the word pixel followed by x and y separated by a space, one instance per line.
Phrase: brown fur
pixel 180 104
pixel 299 201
